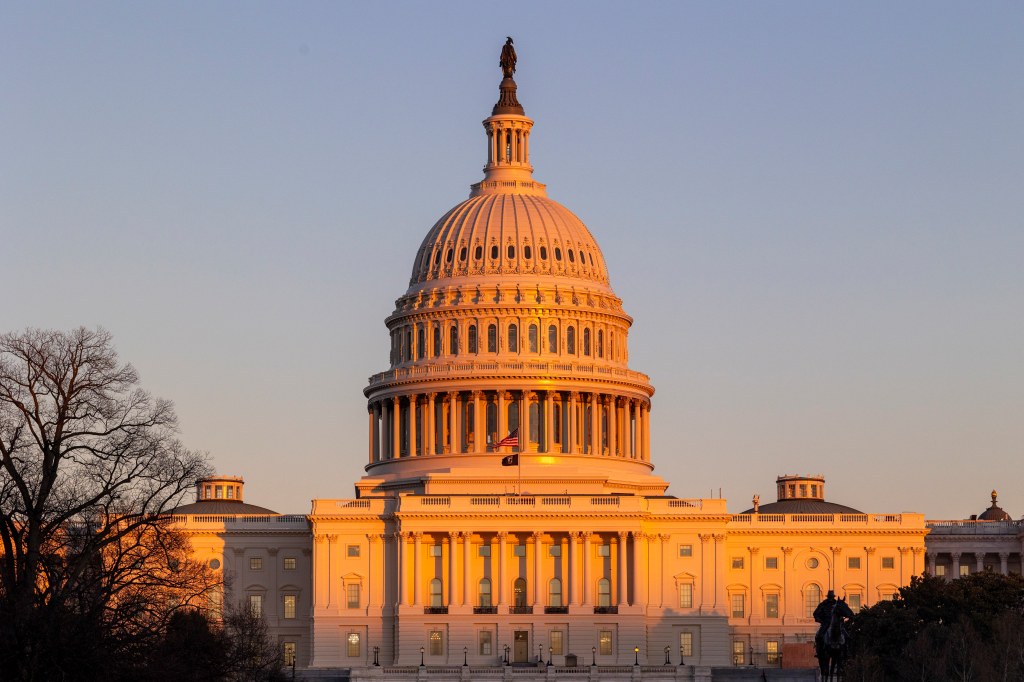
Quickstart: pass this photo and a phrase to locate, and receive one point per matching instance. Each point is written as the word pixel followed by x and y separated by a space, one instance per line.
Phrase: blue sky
pixel 813 211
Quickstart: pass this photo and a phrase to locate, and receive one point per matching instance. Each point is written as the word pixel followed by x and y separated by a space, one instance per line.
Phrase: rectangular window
pixel 555 550
pixel 686 644
pixel 556 643
pixel 289 563
pixel 771 648
pixel 853 600
pixel 256 604
pixel 353 645
pixel 353 595
pixel 965 569
pixel 231 492
pixel 771 563
pixel 255 563
pixel 220 492
pixel 888 562
pixel 853 562
pixel 686 596
pixel 604 642
pixel 737 562
pixel 435 550
pixel 737 606
pixel 685 550
pixel 485 643
pixel 604 550
pixel 518 550
pixel 436 643
pixel 289 606
pixel 288 653
pixel 353 550
pixel 771 606
pixel 940 570
pixel 484 550
pixel 739 652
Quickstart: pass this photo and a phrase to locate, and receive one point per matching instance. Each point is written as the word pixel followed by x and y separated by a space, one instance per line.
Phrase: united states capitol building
pixel 510 513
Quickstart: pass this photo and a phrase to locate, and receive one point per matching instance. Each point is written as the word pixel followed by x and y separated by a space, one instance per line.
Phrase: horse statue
pixel 833 646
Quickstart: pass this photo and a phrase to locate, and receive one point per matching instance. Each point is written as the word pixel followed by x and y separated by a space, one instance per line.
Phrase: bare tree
pixel 90 465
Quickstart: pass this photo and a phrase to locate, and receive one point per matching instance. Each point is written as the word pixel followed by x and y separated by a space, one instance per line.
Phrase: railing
pixel 968 527
pixel 692 504
pixel 556 609
pixel 474 368
pixel 485 609
pixel 435 609
pixel 845 519
pixel 186 519
pixel 606 609
pixel 520 610
pixel 604 501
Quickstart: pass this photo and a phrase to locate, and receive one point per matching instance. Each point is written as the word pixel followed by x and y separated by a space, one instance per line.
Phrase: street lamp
pixel 680 655
pixel 636 655
pixel 593 654
pixel 667 661
pixel 540 654
pixel 751 654
pixel 376 656
pixel 506 654
pixel 465 656
pixel 551 650
pixel 422 650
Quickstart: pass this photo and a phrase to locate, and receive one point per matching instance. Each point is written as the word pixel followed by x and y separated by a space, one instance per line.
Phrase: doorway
pixel 521 646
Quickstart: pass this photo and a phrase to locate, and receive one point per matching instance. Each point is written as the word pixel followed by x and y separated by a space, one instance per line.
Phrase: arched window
pixel 450 253
pixel 407 350
pixel 485 592
pixel 812 597
pixel 511 251
pixel 513 338
pixel 492 423
pixel 611 345
pixel 478 253
pixel 604 592
pixel 552 339
pixel 532 338
pixel 436 601
pixel 462 253
pixel 558 253
pixel 555 592
pixel 586 341
pixel 512 417
pixel 468 432
pixel 600 343
pixel 527 253
pixel 570 340
pixel 453 340
pixel 543 253
pixel 472 338
pixel 494 252
pixel 437 340
pixel 421 343
pixel 572 256
pixel 492 338
pixel 519 592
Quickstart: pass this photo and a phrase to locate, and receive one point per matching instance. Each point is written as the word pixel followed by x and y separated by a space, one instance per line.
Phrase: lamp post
pixel 422 650
pixel 751 654
pixel 465 656
pixel 593 656
pixel 540 654
pixel 376 656
pixel 551 650
pixel 667 661
pixel 636 655
pixel 506 654
pixel 680 655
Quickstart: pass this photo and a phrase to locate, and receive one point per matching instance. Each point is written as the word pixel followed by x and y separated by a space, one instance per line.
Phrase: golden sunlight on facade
pixel 509 512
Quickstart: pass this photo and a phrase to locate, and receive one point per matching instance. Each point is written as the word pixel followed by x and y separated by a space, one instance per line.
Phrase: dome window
pixel 532 337
pixel 513 338
pixel 583 259
pixel 462 254
pixel 543 253
pixel 600 343
pixel 492 338
pixel 570 340
pixel 590 257
pixel 586 342
pixel 494 252
pixel 511 251
pixel 478 252
pixel 472 338
pixel 437 258
pixel 453 340
pixel 558 254
pixel 527 253
pixel 448 256
pixel 437 341
pixel 572 256
pixel 552 339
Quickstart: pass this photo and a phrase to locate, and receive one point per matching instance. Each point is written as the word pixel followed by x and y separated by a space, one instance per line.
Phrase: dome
pixel 527 236
pixel 800 494
pixel 800 506
pixel 994 513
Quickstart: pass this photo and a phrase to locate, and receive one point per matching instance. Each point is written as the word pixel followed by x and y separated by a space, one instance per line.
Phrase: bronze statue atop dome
pixel 507 61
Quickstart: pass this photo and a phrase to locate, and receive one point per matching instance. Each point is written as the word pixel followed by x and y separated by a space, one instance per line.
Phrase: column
pixel 707 578
pixel 502 417
pixel 613 431
pixel 837 575
pixel 664 537
pixel 385 429
pixel 574 585
pixel 586 567
pixel 429 447
pixel 906 565
pixel 396 427
pixel 930 558
pixel 956 565
pixel 636 452
pixel 414 404
pixel 524 421
pixel 479 438
pixel 549 401
pixel 452 550
pixel 1004 561
pixel 787 552
pixel 595 425
pixel 640 578
pixel 502 588
pixel 570 431
pixel 453 422
pixel 537 570
pixel 979 560
pixel 376 573
pixel 646 411
pixel 466 577
pixel 400 554
pixel 417 560
pixel 620 576
pixel 370 439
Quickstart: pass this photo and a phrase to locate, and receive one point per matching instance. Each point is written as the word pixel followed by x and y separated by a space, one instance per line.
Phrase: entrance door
pixel 521 646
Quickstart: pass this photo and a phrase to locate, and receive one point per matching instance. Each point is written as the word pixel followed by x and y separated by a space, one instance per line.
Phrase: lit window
pixel 437 640
pixel 812 597
pixel 231 492
pixel 255 563
pixel 604 642
pixel 289 606
pixel 686 596
pixel 685 550
pixel 739 652
pixel 289 563
pixel 519 592
pixel 208 493
pixel 853 601
pixel 555 550
pixel 288 653
pixel 220 492
pixel 814 490
pixel 803 490
pixel 352 550
pixel 604 593
pixel 737 562
pixel 556 642
pixel 555 592
pixel 888 596
pixel 484 550
pixel 888 562
pixel 771 606
pixel 256 604
pixel 965 569
pixel 940 570
pixel 738 607
pixel 353 645
pixel 604 550
pixel 435 550
pixel 771 648
pixel 485 592
pixel 686 643
pixel 853 562
pixel 485 643
pixel 771 563
pixel 519 550
pixel 436 600
pixel 353 595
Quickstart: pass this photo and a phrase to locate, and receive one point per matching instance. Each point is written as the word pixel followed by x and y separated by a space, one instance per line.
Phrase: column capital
pixel 787 550
pixel 639 535
pixel 904 550
pixel 622 535
pixel 536 536
pixel 575 534
pixel 272 551
pixel 955 555
pixel 754 551
pixel 502 534
pixel 720 538
pixel 373 538
pixel 417 535
pixel 870 550
pixel 664 537
pixel 331 537
pixel 478 394
pixel 704 538
pixel 917 550
pixel 836 550
pixel 587 534
pixel 1003 555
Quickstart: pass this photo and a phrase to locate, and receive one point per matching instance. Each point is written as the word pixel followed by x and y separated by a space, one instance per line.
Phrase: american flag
pixel 511 440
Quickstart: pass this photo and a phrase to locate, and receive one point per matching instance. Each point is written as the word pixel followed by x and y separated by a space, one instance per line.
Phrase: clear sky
pixel 814 212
